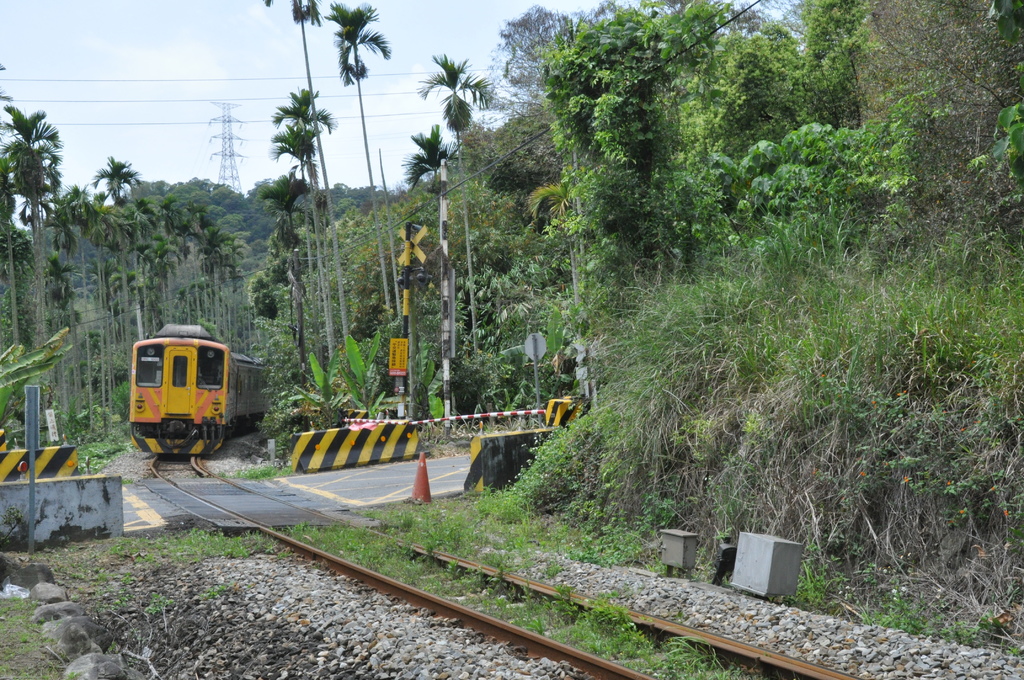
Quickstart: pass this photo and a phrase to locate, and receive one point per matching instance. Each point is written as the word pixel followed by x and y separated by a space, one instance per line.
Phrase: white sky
pixel 85 63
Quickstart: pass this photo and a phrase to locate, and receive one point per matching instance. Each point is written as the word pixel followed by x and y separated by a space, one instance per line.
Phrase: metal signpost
pixel 536 348
pixel 32 443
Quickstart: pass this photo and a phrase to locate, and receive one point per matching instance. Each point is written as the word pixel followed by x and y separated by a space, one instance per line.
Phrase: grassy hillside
pixel 868 409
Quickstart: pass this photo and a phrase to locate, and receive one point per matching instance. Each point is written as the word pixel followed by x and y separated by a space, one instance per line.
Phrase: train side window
pixel 210 370
pixel 149 369
pixel 179 374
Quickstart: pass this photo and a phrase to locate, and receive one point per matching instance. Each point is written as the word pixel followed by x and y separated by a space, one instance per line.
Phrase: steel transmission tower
pixel 227 137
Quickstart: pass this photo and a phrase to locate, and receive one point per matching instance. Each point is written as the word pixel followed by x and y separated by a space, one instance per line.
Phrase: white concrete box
pixel 767 565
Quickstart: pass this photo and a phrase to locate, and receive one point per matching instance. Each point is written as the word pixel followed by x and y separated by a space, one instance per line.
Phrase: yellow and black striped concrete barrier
pixel 560 412
pixel 53 461
pixel 3 440
pixel 343 447
pixel 495 460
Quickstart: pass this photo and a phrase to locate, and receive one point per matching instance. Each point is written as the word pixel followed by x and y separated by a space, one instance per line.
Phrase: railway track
pixel 765 661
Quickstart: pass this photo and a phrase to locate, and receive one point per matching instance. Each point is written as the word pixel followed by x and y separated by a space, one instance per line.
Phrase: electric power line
pixel 368 95
pixel 380 115
pixel 198 80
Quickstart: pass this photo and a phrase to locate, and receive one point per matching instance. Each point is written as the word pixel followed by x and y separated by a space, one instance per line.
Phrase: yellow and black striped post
pixel 3 440
pixel 52 461
pixel 343 447
pixel 495 460
pixel 560 412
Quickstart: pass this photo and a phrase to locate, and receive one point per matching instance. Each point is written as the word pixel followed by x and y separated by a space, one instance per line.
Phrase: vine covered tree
pixel 611 95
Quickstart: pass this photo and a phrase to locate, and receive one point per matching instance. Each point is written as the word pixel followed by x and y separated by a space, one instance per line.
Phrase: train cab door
pixel 178 394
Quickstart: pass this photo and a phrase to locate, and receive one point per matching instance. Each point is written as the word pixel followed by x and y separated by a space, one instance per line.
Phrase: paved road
pixel 335 490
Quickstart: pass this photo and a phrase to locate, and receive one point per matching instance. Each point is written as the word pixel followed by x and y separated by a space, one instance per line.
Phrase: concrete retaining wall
pixel 495 460
pixel 67 509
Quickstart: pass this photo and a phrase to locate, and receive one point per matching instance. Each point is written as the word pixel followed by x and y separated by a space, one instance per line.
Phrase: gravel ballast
pixel 272 618
pixel 864 650
pixel 275 617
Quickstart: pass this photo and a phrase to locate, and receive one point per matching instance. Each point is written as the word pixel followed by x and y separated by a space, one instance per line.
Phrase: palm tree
pixel 3 95
pixel 301 110
pixel 119 179
pixel 352 35
pixel 140 217
pixel 34 149
pixel 427 161
pixel 464 91
pixel 298 112
pixel 279 202
pixel 160 254
pixel 218 250
pixel 61 289
pixel 297 141
pixel 74 210
pixel 8 202
pixel 311 13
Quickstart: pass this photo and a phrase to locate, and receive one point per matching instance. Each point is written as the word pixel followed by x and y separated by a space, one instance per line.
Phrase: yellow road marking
pixel 146 514
pixel 319 492
pixel 361 471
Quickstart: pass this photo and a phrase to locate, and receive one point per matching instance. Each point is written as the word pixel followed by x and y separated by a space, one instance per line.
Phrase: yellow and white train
pixel 189 392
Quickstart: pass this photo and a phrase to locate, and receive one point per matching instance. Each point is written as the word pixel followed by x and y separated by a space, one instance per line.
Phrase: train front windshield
pixel 211 369
pixel 149 370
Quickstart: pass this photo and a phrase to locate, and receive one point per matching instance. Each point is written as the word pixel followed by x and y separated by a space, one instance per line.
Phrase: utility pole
pixel 447 351
pixel 418 275
pixel 404 283
pixel 228 167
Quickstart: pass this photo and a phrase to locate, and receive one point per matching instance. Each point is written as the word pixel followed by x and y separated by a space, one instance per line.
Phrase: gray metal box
pixel 678 548
pixel 767 565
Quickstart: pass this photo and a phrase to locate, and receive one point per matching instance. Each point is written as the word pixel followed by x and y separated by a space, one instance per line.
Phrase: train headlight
pixel 139 405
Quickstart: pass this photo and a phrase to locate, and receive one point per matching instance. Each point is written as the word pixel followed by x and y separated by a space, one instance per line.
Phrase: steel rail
pixel 200 467
pixel 535 645
pixel 741 653
pixel 747 655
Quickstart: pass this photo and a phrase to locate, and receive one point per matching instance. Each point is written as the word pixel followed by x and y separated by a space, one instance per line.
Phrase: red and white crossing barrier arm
pixel 472 416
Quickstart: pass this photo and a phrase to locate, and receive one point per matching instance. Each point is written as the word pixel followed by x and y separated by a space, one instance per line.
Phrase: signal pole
pixel 228 167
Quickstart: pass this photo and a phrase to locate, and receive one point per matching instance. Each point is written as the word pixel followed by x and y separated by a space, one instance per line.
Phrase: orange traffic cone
pixel 421 487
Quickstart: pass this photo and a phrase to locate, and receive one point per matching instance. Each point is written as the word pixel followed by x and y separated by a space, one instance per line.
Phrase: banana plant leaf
pixel 17 367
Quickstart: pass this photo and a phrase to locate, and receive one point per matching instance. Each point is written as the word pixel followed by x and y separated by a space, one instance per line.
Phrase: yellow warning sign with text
pixel 398 361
